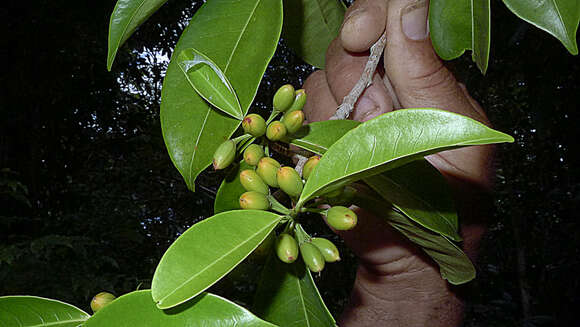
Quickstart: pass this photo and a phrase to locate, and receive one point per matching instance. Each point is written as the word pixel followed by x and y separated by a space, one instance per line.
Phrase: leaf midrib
pixel 301 298
pixel 242 32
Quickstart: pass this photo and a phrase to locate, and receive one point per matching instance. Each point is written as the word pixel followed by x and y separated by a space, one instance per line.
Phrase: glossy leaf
pixel 392 140
pixel 208 251
pixel 319 136
pixel 192 130
pixel 126 17
pixel 32 311
pixel 288 297
pixel 310 26
pixel 558 17
pixel 230 190
pixel 422 193
pixel 138 309
pixel 209 81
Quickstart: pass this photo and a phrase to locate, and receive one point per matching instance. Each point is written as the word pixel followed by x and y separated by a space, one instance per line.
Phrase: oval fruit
pixel 341 218
pixel 254 200
pixel 286 248
pixel 283 98
pixel 289 181
pixel 224 155
pixel 309 166
pixel 253 154
pixel 100 300
pixel 251 181
pixel 299 100
pixel 276 131
pixel 327 248
pixel 312 257
pixel 267 169
pixel 254 125
pixel 293 121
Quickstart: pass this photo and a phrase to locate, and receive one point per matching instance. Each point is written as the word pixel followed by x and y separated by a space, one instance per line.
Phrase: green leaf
pixel 192 129
pixel 208 251
pixel 454 265
pixel 392 140
pixel 209 81
pixel 126 17
pixel 138 309
pixel 310 26
pixel 288 297
pixel 319 136
pixel 481 34
pixel 228 195
pixel 421 193
pixel 558 17
pixel 29 311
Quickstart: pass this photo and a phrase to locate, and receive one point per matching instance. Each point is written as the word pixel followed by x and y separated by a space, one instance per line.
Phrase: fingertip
pixel 363 26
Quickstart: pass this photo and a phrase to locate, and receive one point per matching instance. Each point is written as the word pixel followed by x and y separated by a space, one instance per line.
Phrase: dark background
pixel 89 199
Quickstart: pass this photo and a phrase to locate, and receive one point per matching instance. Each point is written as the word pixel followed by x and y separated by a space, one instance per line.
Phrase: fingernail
pixel 414 20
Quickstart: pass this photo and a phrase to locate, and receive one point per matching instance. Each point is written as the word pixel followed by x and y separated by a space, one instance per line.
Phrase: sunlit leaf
pixel 192 129
pixel 208 251
pixel 139 309
pixel 288 297
pixel 126 17
pixel 310 26
pixel 230 190
pixel 392 140
pixel 32 311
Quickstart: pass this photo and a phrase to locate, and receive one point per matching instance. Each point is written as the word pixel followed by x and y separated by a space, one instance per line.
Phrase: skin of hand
pixel 396 284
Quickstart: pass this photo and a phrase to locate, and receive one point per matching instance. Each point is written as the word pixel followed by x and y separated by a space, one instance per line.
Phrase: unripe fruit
pixel 293 121
pixel 289 181
pixel 283 98
pixel 267 169
pixel 286 248
pixel 312 257
pixel 254 125
pixel 252 182
pixel 224 155
pixel 254 200
pixel 276 131
pixel 101 300
pixel 327 248
pixel 299 101
pixel 341 218
pixel 253 154
pixel 309 166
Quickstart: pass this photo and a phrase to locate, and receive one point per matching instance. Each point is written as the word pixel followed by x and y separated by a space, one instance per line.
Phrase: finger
pixel 320 103
pixel 363 24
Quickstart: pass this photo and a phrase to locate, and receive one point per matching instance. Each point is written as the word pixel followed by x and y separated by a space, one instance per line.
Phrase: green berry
pixel 341 218
pixel 312 257
pixel 283 98
pixel 224 155
pixel 289 181
pixel 309 166
pixel 254 200
pixel 299 100
pixel 286 248
pixel 267 169
pixel 254 125
pixel 101 300
pixel 253 154
pixel 293 121
pixel 252 182
pixel 327 248
pixel 276 131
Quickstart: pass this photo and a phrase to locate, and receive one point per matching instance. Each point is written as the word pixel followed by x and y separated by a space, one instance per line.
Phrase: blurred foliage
pixel 89 199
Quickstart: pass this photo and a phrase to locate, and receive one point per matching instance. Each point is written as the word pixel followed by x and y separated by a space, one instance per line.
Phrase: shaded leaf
pixel 29 311
pixel 558 17
pixel 192 130
pixel 287 296
pixel 208 251
pixel 126 17
pixel 481 34
pixel 319 136
pixel 138 309
pixel 209 81
pixel 392 140
pixel 230 190
pixel 310 26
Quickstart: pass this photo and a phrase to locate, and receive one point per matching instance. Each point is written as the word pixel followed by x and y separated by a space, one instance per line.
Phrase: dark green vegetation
pixel 105 201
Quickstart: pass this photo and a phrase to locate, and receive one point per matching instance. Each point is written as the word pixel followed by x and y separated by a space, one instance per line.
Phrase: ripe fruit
pixel 327 248
pixel 341 218
pixel 289 181
pixel 293 121
pixel 309 166
pixel 299 100
pixel 101 300
pixel 276 131
pixel 253 154
pixel 283 98
pixel 254 200
pixel 224 155
pixel 312 257
pixel 254 125
pixel 252 182
pixel 267 169
pixel 286 248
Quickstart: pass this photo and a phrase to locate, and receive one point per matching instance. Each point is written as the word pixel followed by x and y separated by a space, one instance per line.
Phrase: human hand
pixel 396 283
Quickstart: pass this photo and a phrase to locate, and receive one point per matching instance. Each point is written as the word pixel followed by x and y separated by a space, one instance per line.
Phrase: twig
pixel 300 164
